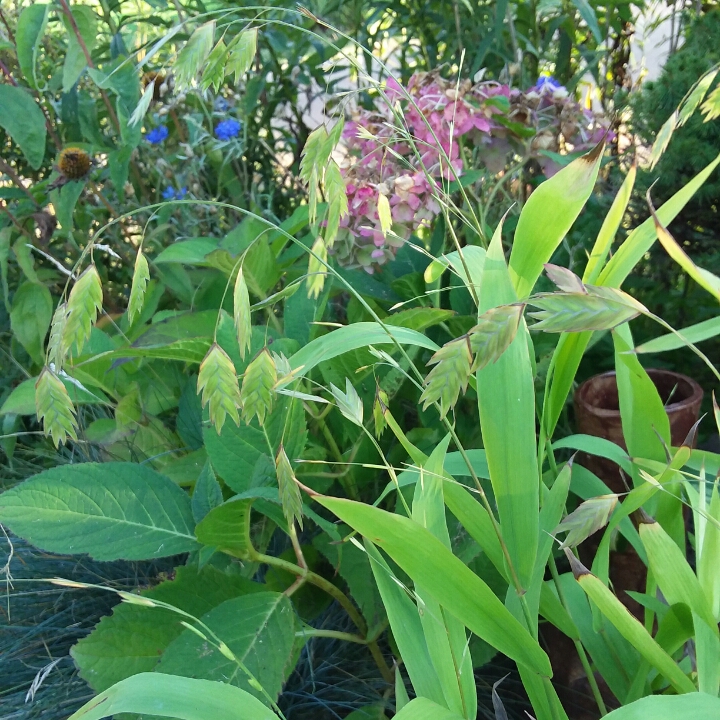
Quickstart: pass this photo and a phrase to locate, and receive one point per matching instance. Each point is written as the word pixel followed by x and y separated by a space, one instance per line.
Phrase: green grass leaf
pixel 174 697
pixel 539 232
pixel 698 706
pixel 446 578
pixel 111 511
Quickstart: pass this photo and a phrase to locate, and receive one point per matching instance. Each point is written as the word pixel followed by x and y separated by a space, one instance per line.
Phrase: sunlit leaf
pixel 383 209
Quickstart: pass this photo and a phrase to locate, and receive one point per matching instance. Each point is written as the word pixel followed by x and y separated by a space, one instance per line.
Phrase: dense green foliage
pixel 206 369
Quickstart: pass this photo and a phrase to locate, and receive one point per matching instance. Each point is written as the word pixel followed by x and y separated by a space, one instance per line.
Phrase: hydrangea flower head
pixel 227 129
pixel 157 135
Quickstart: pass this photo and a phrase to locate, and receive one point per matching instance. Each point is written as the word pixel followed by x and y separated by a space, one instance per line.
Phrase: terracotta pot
pixel 597 412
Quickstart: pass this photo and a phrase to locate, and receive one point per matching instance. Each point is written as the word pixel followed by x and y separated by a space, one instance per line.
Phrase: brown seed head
pixel 74 163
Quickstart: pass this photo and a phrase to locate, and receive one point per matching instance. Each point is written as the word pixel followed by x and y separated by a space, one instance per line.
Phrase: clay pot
pixel 597 412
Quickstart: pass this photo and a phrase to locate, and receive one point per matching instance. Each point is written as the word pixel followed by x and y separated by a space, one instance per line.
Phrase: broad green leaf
pixel 207 493
pixel 596 446
pixel 235 453
pixel 406 628
pixel 133 638
pixel 28 36
pixel 420 318
pixel 446 578
pixel 352 337
pixel 698 706
pixel 30 316
pixel 24 122
pixel 506 399
pixel 75 60
pixel 423 709
pixel 539 232
pixel 354 567
pixel 227 527
pixel 693 334
pixel 610 226
pixel 174 697
pixel 260 631
pixel 64 200
pixel 111 511
pixel 188 252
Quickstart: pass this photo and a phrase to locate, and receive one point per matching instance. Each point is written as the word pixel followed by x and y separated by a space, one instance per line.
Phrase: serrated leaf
pixel 586 519
pixel 242 313
pixel 133 638
pixel 257 392
pixel 348 402
pixel 207 493
pixel 214 72
pixel 83 305
pixel 241 53
pixel 54 408
pixel 316 268
pixel 566 280
pixel 450 374
pixel 290 497
pixel 217 381
pixel 142 107
pixel 141 276
pixel 258 629
pixel 383 209
pixel 111 511
pixel 492 336
pixel 227 527
pixel 599 309
pixel 192 57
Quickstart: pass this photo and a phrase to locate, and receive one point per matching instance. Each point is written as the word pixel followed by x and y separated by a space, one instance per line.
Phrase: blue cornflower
pixel 227 129
pixel 157 135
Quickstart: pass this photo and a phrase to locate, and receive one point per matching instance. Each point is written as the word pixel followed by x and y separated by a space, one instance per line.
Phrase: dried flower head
pixel 74 163
pixel 158 78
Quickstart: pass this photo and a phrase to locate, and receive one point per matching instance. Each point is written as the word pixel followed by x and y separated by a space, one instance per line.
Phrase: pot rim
pixel 695 397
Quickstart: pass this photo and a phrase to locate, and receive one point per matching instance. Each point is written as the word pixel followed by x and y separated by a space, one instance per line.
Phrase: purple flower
pixel 157 135
pixel 227 129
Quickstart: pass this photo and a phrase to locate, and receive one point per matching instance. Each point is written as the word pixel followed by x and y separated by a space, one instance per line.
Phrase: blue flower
pixel 157 135
pixel 547 82
pixel 227 129
pixel 169 193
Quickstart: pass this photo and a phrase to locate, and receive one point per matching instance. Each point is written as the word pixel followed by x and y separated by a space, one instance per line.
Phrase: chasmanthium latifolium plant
pixel 215 641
